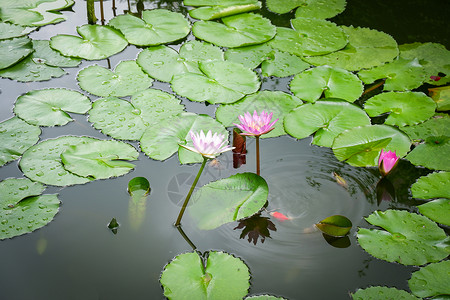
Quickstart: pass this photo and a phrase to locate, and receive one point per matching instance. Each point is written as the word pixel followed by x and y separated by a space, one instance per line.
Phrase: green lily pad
pixel 223 10
pixel 228 200
pixel 441 95
pixel 404 108
pixel 127 79
pixel 33 12
pixel 16 136
pixel 409 239
pixel 361 146
pixel 434 185
pixel 96 42
pixel 42 162
pixel 13 190
pixel 8 30
pixel 162 62
pixel 336 225
pixel 264 297
pixel 431 280
pixel 433 57
pixel 437 210
pixel 327 119
pixel 366 48
pixel 13 50
pixel 331 82
pixel 220 276
pixel 282 64
pixel 162 140
pixel 276 102
pixel 382 293
pixel 50 107
pixel 220 82
pixel 157 26
pixel 436 126
pixel 400 75
pixel 45 54
pixel 320 9
pixel 282 7
pixel 138 186
pixel 128 120
pixel 235 31
pixel 249 56
pixel 99 159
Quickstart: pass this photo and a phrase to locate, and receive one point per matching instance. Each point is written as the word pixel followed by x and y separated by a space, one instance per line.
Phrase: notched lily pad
pixel 431 281
pixel 13 50
pixel 282 64
pixel 225 9
pixel 336 225
pixel 320 9
pixel 437 210
pixel 13 190
pixel 434 185
pixel 382 293
pixel 8 30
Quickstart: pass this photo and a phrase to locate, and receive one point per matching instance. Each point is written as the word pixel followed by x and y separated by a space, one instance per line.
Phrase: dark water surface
pixel 77 257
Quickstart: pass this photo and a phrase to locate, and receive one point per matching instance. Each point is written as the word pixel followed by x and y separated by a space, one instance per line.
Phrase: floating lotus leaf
pixel 235 31
pixel 282 64
pixel 361 146
pixel 441 95
pixel 50 107
pixel 13 190
pixel 264 297
pixel 221 276
pixel 128 120
pixel 227 200
pixel 216 2
pixel 429 154
pixel 434 185
pixel 276 102
pixel 162 140
pixel 96 42
pixel 99 159
pixel 249 56
pixel 327 119
pixel 433 57
pixel 127 79
pixel 220 82
pixel 157 26
pixel 382 293
pixel 16 136
pixel 431 281
pixel 162 62
pixel 320 9
pixel 42 162
pixel 331 82
pixel 366 48
pixel 409 239
pixel 8 30
pixel 282 7
pixel 404 108
pixel 33 12
pixel 436 126
pixel 336 225
pixel 223 10
pixel 437 210
pixel 400 74
pixel 44 54
pixel 13 50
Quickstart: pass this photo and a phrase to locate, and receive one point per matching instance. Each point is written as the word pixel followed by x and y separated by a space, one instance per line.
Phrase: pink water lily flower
pixel 208 145
pixel 256 125
pixel 387 161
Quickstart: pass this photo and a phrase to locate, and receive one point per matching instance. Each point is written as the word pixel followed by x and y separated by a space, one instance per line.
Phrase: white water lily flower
pixel 208 145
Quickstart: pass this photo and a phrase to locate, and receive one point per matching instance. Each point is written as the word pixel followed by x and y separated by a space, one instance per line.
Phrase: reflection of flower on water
pixel 255 227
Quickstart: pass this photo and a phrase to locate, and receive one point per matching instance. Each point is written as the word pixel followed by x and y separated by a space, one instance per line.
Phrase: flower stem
pixel 258 168
pixel 180 215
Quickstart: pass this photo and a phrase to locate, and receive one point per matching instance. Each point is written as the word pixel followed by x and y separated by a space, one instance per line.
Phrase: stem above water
pixel 258 168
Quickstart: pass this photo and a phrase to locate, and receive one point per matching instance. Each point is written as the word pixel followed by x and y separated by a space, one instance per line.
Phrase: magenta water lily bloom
pixel 387 161
pixel 256 125
pixel 209 145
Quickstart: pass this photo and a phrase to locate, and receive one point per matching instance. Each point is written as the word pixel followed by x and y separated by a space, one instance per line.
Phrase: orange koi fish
pixel 279 216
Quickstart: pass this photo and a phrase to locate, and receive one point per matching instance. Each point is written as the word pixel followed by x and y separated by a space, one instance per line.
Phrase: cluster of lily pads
pixel 230 48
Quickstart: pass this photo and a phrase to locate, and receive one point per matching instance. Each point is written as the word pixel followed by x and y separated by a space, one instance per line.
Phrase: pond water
pixel 77 257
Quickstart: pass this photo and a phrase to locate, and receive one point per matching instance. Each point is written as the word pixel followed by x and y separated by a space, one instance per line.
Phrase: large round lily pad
pixel 366 48
pixel 235 31
pixel 127 79
pixel 157 26
pixel 16 136
pixel 326 119
pixel 42 162
pixel 434 185
pixel 96 42
pixel 276 102
pixel 162 62
pixel 361 146
pixel 221 276
pixel 227 200
pixel 13 50
pixel 404 108
pixel 409 239
pixel 382 293
pixel 99 159
pixel 437 210
pixel 431 281
pixel 220 82
pixel 128 120
pixel 326 81
pixel 50 107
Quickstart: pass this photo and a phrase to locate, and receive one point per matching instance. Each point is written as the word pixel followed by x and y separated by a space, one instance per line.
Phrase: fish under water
pixel 341 181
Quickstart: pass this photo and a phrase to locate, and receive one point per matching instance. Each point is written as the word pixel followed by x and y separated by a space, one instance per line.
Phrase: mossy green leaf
pixel 382 293
pixel 434 185
pixel 431 280
pixel 437 210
